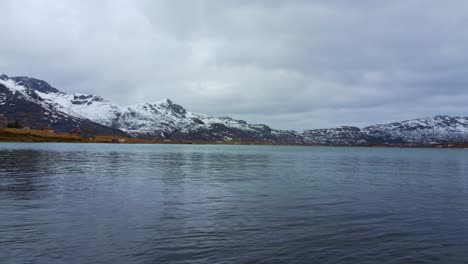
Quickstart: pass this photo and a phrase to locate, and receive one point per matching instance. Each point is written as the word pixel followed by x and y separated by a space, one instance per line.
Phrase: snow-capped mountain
pixel 36 103
pixel 158 120
pixel 31 83
pixel 23 104
pixel 426 130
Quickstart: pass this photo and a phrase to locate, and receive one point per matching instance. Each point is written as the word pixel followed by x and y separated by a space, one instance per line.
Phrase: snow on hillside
pixel 425 129
pixel 334 136
pixel 13 87
pixel 25 93
pixel 91 107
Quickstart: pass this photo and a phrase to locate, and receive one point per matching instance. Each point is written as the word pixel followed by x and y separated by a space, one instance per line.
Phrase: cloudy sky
pixel 289 64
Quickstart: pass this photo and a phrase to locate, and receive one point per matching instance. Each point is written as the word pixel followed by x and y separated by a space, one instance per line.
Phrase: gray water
pixel 99 203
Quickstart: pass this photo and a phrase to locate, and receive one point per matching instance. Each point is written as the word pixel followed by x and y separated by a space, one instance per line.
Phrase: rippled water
pixel 97 203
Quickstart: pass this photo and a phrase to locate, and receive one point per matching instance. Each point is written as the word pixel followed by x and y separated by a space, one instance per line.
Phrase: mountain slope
pixel 423 130
pixel 25 105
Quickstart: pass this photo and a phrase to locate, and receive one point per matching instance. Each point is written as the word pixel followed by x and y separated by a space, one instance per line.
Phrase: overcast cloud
pixel 289 64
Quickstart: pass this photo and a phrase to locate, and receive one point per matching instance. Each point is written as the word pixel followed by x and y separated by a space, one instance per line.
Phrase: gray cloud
pixel 290 64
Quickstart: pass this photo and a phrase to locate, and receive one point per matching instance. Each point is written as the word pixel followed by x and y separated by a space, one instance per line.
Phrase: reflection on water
pixel 97 203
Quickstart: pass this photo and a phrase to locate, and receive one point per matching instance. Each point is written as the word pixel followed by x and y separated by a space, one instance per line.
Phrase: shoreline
pixel 13 135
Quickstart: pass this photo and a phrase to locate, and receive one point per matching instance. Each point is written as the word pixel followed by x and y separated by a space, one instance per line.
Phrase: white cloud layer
pixel 289 64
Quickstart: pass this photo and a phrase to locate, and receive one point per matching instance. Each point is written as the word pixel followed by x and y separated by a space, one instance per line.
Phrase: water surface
pixel 99 203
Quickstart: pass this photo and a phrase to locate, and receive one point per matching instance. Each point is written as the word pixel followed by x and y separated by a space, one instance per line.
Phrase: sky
pixel 287 64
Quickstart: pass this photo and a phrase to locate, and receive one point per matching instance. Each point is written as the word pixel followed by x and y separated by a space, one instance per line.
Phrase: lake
pixel 104 203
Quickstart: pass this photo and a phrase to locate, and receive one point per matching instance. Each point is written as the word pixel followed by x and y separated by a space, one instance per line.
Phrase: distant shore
pixel 33 135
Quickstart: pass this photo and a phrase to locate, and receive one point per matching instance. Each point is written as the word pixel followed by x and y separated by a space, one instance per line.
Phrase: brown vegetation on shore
pixel 32 135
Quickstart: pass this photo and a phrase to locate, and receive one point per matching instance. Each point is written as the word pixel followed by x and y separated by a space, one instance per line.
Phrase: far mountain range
pixel 35 103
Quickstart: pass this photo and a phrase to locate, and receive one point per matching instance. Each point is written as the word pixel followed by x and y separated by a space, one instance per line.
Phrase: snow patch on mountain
pixel 92 107
pixel 13 86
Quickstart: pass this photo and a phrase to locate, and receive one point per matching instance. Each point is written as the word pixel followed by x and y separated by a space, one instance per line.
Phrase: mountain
pixel 25 105
pixel 36 103
pixel 158 120
pixel 422 131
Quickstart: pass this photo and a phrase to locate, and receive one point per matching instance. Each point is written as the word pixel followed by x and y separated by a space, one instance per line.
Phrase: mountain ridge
pixel 165 120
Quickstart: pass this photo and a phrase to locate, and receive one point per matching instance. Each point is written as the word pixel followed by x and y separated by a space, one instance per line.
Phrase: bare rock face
pixel 31 83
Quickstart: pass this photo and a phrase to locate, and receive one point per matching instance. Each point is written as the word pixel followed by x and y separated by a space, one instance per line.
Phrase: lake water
pixel 99 203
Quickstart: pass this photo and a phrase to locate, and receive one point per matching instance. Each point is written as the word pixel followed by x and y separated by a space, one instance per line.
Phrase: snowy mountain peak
pixel 164 106
pixel 35 84
pixel 165 101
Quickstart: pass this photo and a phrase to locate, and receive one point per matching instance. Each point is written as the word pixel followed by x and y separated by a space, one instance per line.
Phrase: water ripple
pixel 92 203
